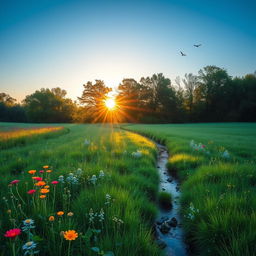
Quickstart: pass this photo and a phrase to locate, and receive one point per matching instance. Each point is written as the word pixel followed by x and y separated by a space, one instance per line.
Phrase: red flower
pixel 37 178
pixel 55 182
pixel 31 191
pixel 42 171
pixel 12 233
pixel 15 182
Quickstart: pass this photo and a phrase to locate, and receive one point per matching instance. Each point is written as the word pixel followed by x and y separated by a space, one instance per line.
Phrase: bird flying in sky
pixel 182 54
pixel 197 45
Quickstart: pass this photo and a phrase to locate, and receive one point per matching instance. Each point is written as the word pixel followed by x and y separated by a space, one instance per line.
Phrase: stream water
pixel 169 232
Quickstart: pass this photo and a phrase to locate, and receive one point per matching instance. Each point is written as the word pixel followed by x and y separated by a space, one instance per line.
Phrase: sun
pixel 110 103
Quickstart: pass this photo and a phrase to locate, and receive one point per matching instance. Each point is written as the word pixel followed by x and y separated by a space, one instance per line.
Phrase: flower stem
pixel 69 243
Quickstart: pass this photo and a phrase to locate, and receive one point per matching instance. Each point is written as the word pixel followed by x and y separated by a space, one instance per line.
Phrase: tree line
pixel 210 96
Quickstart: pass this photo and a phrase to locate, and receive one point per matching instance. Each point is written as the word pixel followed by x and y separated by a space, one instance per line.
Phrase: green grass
pixel 218 193
pixel 130 181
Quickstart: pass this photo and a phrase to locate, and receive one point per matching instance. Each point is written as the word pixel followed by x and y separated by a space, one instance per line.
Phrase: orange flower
pixel 45 166
pixel 70 235
pixel 32 171
pixel 44 191
pixel 60 213
pixel 46 186
pixel 49 171
pixel 40 183
pixel 43 196
pixel 51 218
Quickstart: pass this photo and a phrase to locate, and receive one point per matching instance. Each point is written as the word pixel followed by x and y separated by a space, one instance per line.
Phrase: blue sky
pixel 66 43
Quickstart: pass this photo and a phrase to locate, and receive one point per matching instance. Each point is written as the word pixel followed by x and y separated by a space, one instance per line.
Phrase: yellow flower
pixel 43 196
pixel 49 171
pixel 32 171
pixel 40 183
pixel 44 191
pixel 45 166
pixel 70 235
pixel 51 218
pixel 46 186
pixel 60 213
pixel 70 214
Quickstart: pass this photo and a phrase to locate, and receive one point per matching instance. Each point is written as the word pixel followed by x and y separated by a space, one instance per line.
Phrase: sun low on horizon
pixel 110 103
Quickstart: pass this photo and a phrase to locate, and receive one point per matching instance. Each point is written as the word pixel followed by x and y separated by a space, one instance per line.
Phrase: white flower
pixel 137 154
pixel 225 154
pixel 93 179
pixel 87 142
pixel 101 215
pixel 102 174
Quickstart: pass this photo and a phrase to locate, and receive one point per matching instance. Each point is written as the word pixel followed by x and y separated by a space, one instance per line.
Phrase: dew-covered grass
pixel 216 165
pixel 105 189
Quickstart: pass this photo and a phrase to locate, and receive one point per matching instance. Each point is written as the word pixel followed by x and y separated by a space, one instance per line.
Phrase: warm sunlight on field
pixel 27 132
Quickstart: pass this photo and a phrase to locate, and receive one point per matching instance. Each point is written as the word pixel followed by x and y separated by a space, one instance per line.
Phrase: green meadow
pixel 101 190
pixel 216 166
pixel 93 189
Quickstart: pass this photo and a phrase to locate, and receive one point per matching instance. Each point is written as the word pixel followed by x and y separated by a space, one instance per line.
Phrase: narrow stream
pixel 169 232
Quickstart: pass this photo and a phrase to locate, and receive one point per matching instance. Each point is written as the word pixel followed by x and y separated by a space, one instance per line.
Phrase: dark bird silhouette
pixel 182 54
pixel 197 45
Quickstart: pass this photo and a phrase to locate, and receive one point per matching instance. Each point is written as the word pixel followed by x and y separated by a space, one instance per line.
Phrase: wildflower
pixel 72 179
pixel 40 183
pixel 70 214
pixel 102 174
pixel 15 182
pixel 79 172
pixel 226 154
pixel 93 179
pixel 32 171
pixel 70 235
pixel 42 196
pixel 101 215
pixel 9 211
pixel 31 191
pixel 41 171
pixel 60 213
pixel 44 191
pixel 29 246
pixel 47 186
pixel 49 171
pixel 45 166
pixel 86 142
pixel 12 233
pixel 137 154
pixel 37 178
pixel 27 225
pixel 108 198
pixel 61 179
pixel 51 218
pixel 91 215
pixel 54 182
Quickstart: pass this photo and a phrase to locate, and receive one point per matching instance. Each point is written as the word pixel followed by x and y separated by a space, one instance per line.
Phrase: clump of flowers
pixel 108 199
pixel 61 179
pixel 72 179
pixel 192 212
pixel 137 154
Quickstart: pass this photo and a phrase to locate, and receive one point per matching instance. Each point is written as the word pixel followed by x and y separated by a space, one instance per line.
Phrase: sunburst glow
pixel 110 103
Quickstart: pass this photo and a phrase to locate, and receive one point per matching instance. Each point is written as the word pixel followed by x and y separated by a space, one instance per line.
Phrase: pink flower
pixel 37 178
pixel 42 171
pixel 203 146
pixel 12 233
pixel 31 191
pixel 15 182
pixel 55 182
